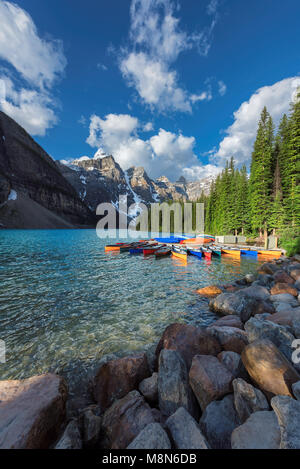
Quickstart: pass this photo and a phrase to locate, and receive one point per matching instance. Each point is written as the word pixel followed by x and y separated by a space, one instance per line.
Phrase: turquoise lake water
pixel 64 303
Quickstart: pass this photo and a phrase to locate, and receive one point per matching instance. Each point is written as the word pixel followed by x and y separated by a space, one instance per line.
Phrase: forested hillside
pixel 268 200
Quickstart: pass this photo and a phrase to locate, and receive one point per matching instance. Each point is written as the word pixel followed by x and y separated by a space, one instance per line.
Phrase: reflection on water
pixel 63 301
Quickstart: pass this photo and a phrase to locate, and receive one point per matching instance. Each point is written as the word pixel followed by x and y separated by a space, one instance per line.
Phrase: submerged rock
pixel 209 379
pixel 218 422
pixel 185 431
pixel 31 411
pixel 210 291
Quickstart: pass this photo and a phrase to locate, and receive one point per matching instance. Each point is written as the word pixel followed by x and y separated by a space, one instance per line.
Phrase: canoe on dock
pixel 179 253
pixel 217 252
pixel 202 239
pixel 269 253
pixel 163 252
pixel 232 252
pixel 207 253
pixel 195 252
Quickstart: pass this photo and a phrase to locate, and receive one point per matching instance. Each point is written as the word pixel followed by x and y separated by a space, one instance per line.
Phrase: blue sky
pixel 174 86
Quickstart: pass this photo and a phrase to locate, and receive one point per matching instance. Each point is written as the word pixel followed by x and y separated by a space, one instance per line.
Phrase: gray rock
pixel 284 298
pixel 234 303
pixel 149 388
pixel 151 357
pixel 258 292
pixel 173 384
pixel 249 278
pixel 153 436
pixel 209 379
pixel 248 399
pixel 218 422
pixel 91 428
pixel 260 431
pixel 231 338
pixel 185 431
pixel 71 438
pixel 264 280
pixel 233 363
pixel 258 329
pixel 296 390
pixel 288 414
pixel 296 327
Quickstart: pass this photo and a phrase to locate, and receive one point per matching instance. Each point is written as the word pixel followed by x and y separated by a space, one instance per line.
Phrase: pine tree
pixel 261 179
pixel 293 196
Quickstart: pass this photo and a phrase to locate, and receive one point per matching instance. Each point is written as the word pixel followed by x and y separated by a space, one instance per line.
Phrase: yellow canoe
pixel 273 254
pixel 179 255
pixel 112 248
pixel 231 252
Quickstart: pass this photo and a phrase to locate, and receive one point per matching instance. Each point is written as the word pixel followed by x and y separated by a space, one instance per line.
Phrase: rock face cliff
pixel 32 185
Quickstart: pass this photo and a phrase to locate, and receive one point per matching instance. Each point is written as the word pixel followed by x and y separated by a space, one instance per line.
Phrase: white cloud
pixel 157 41
pixel 101 66
pixel 36 61
pixel 241 134
pixel 165 153
pixel 204 96
pixel 222 88
pixel 148 127
pixel 30 108
pixel 40 62
pixel 201 171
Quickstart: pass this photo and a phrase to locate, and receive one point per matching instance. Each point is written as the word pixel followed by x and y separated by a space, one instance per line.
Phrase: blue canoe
pixel 248 253
pixel 172 239
pixel 136 251
pixel 195 253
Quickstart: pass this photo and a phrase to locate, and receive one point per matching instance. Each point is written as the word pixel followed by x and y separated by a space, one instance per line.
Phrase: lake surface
pixel 64 303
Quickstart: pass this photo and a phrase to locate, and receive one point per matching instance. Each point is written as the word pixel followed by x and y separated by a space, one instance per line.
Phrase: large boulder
pixel 257 291
pixel 288 414
pixel 260 431
pixel 295 274
pixel 235 303
pixel 248 399
pixel 185 431
pixel 284 298
pixel 268 268
pixel 269 368
pixel 189 341
pixel 31 411
pixel 173 384
pixel 209 379
pixel 259 329
pixel 71 438
pixel 285 317
pixel 153 436
pixel 209 292
pixel 229 321
pixel 282 277
pixel 149 388
pixel 231 339
pixel 218 422
pixel 125 419
pixel 116 378
pixel 233 363
pixel 280 288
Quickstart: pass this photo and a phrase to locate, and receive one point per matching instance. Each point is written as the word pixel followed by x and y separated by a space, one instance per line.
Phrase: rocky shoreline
pixel 234 384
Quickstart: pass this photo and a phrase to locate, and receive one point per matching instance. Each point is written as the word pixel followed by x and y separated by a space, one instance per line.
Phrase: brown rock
pixel 125 419
pixel 284 288
pixel 210 291
pixel 209 379
pixel 31 411
pixel 189 341
pixel 267 268
pixel 269 368
pixel 295 274
pixel 231 288
pixel 231 339
pixel 116 378
pixel 285 318
pixel 282 277
pixel 230 321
